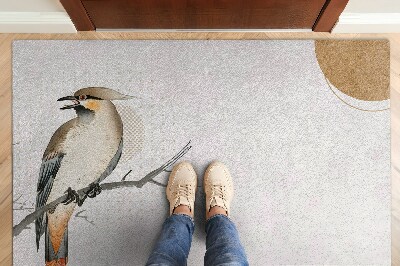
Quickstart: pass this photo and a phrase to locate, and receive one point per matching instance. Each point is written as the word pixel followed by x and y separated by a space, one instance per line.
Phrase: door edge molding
pixel 329 15
pixel 78 14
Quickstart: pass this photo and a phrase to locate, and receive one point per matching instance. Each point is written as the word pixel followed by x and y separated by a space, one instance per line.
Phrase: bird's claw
pixel 94 190
pixel 72 196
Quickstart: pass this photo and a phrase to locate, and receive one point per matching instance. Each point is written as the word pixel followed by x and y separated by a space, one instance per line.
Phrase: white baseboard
pixel 368 23
pixel 36 22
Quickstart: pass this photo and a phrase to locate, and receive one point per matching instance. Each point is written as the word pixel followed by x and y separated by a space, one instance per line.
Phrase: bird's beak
pixel 69 98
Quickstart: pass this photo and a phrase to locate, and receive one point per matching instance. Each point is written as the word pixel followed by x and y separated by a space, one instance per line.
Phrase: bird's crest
pixel 103 93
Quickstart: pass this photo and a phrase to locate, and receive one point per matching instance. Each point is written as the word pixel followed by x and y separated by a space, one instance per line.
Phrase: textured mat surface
pixel 310 161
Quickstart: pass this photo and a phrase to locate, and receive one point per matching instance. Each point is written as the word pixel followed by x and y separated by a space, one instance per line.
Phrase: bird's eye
pixel 82 97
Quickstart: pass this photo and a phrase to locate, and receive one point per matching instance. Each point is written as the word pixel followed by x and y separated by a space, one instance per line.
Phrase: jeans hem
pixel 184 215
pixel 216 215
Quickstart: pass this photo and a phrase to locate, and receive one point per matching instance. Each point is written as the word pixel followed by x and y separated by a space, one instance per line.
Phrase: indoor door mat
pixel 304 127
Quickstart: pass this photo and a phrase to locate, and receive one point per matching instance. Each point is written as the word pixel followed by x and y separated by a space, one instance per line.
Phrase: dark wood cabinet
pixel 319 15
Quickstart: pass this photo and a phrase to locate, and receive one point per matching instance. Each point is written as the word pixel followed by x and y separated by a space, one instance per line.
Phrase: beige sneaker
pixel 181 188
pixel 218 186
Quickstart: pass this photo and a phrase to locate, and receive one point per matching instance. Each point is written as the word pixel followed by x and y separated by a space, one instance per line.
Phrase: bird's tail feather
pixel 59 258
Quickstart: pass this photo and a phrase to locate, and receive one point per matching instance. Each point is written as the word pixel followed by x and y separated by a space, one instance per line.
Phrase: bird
pixel 81 153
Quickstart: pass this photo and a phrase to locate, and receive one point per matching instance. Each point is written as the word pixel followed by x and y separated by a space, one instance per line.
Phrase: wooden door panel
pixel 318 15
pixel 204 14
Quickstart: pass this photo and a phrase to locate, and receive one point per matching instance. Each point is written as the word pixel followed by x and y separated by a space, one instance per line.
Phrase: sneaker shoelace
pixel 184 191
pixel 218 191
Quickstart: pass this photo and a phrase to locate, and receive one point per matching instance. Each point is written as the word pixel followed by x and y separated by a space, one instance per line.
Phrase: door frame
pixel 325 21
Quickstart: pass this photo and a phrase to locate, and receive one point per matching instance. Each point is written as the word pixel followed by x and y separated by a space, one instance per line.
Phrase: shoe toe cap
pixel 218 170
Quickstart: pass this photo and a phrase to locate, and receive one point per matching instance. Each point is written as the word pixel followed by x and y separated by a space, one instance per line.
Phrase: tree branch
pixel 17 229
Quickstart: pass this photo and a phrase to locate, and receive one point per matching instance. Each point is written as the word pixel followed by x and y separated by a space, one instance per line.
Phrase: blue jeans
pixel 222 242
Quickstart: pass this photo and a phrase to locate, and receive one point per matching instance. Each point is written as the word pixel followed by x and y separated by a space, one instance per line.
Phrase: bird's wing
pixel 51 163
pixel 47 174
pixel 113 163
pixel 57 140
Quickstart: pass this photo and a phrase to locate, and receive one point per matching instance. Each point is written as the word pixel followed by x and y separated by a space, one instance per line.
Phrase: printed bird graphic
pixel 81 153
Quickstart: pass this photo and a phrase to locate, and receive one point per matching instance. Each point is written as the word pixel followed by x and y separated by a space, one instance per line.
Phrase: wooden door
pixel 319 15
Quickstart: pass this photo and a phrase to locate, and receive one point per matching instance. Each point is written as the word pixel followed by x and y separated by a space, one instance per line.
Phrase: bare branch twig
pixel 158 183
pixel 123 179
pixel 83 216
pixel 30 218
pixel 22 205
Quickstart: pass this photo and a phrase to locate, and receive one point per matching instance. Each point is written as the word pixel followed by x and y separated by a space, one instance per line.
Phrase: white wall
pixel 34 16
pixel 31 6
pixel 372 6
pixel 369 16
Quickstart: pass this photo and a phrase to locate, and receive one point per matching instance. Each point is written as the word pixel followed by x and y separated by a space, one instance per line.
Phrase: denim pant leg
pixel 222 243
pixel 172 248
